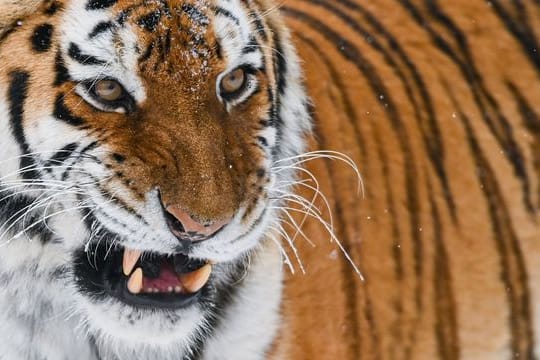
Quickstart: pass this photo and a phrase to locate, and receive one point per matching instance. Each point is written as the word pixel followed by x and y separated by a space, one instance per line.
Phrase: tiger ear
pixel 11 10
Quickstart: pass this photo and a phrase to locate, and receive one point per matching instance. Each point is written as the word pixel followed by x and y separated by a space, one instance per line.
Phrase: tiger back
pixel 438 103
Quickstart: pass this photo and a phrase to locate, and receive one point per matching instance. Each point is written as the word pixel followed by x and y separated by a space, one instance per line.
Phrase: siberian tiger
pixel 150 153
pixel 144 156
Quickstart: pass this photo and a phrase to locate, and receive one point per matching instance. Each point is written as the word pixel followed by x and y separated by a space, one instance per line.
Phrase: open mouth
pixel 147 280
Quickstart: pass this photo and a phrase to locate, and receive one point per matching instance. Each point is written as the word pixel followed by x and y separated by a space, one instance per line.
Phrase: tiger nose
pixel 185 227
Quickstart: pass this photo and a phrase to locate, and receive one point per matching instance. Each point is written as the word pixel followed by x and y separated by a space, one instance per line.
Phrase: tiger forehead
pixel 175 36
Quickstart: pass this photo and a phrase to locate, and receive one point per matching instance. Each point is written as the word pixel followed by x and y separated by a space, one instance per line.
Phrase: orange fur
pixel 441 283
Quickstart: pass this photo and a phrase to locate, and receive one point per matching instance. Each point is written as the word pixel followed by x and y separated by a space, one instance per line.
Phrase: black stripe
pixel 61 112
pixel 488 106
pixel 445 326
pixel 262 140
pixel 100 28
pixel 196 15
pixel 75 53
pixel 61 72
pixel 150 21
pixel 42 37
pixel 531 120
pixel 347 102
pixel 350 283
pixel 82 153
pixel 100 4
pixel 17 94
pixel 352 54
pixel 4 34
pixel 431 134
pixel 521 29
pixel 280 64
pixel 513 270
pixel 251 47
pixel 62 155
pixel 148 52
pixel 227 14
pixel 259 25
pixel 53 8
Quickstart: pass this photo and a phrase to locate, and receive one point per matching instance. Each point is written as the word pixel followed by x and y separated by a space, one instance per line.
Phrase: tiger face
pixel 146 135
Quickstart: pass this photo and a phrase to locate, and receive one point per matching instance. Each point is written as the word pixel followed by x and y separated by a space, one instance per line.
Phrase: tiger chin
pixel 138 179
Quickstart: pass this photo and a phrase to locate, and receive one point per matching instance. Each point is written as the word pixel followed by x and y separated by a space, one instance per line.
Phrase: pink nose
pixel 192 226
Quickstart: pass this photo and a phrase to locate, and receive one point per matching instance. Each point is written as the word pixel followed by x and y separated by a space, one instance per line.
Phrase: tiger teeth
pixel 194 281
pixel 130 259
pixel 135 282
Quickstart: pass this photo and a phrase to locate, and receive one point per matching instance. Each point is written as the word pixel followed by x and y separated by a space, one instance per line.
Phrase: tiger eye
pixel 233 81
pixel 108 90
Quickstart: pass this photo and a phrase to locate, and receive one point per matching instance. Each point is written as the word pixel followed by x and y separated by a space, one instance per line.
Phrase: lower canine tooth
pixel 194 281
pixel 135 282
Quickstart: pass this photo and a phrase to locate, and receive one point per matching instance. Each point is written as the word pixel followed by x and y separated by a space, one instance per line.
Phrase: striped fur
pixel 82 179
pixel 438 102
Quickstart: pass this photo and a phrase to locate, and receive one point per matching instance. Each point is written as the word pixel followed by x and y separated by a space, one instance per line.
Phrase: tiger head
pixel 150 139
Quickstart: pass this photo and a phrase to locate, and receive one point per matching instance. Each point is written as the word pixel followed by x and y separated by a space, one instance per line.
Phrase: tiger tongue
pixel 168 280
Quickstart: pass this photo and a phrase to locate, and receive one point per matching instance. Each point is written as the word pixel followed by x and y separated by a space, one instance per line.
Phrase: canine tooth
pixel 177 289
pixel 194 281
pixel 135 282
pixel 130 259
pixel 170 289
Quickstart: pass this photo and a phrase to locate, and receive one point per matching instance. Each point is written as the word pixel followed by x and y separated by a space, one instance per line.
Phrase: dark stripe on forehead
pixel 17 94
pixel 61 112
pixel 196 15
pixel 150 21
pixel 100 28
pixel 75 53
pixel 42 37
pixel 227 14
pixel 257 20
pixel 100 4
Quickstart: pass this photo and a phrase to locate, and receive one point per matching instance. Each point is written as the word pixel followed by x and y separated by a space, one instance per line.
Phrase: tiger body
pixel 438 105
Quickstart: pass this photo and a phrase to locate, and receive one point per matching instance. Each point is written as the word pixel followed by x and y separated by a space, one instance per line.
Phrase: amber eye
pixel 108 90
pixel 233 81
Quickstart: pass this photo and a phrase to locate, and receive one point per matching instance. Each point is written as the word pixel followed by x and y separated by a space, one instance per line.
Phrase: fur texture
pixel 83 178
pixel 438 103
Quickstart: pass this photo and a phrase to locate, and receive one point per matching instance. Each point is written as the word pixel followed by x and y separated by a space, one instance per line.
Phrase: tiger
pixel 146 146
pixel 431 254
